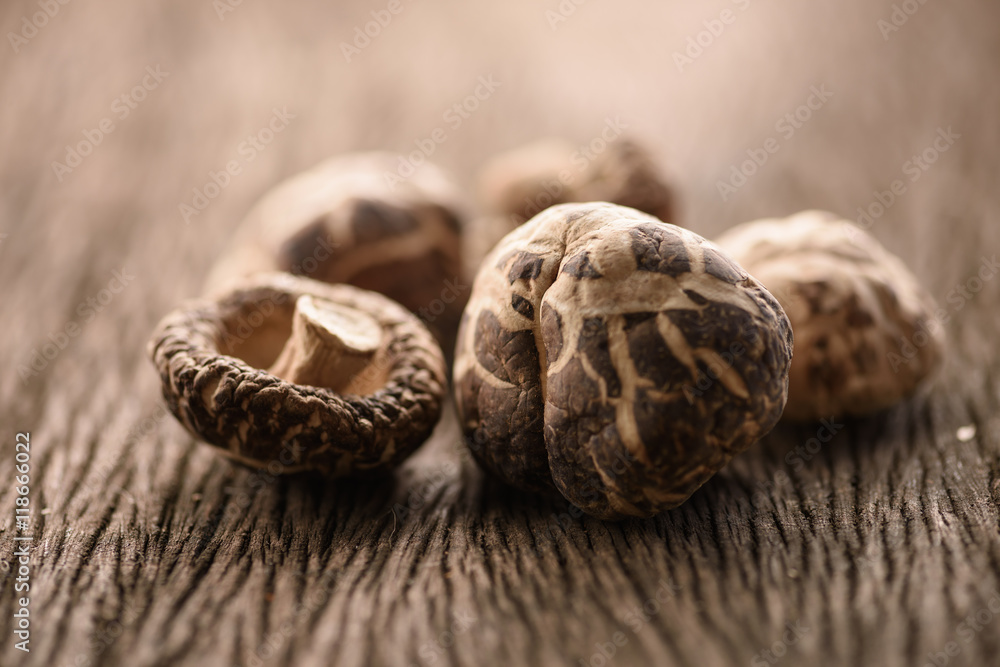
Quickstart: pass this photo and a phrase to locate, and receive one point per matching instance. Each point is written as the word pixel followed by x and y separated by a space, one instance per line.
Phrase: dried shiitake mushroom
pixel 354 220
pixel 865 333
pixel 524 181
pixel 518 184
pixel 294 374
pixel 616 358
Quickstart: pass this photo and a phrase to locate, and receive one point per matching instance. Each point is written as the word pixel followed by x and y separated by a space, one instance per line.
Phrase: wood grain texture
pixel 151 550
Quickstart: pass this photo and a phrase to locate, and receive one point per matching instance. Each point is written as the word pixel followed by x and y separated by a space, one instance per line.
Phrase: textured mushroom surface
pixel 616 358
pixel 865 330
pixel 381 375
pixel 353 219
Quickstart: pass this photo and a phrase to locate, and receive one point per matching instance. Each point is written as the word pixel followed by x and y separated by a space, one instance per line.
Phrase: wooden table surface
pixel 878 547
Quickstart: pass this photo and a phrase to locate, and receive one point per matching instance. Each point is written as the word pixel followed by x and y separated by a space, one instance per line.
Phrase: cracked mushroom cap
pixel 353 219
pixel 617 359
pixel 312 376
pixel 865 333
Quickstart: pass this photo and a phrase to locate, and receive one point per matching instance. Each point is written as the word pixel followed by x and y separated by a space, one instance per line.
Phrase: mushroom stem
pixel 330 344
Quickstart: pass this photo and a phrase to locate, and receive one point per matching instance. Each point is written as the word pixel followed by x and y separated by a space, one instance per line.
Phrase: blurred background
pixel 699 100
pixel 700 84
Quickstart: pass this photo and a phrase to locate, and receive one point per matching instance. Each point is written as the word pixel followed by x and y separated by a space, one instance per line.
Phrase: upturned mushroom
pixel 353 220
pixel 293 374
pixel 616 359
pixel 865 331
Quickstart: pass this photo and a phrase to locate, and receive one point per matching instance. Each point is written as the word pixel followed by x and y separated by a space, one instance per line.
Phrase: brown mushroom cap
pixel 853 306
pixel 354 220
pixel 526 180
pixel 626 174
pixel 378 373
pixel 616 358
pixel 518 184
pixel 523 181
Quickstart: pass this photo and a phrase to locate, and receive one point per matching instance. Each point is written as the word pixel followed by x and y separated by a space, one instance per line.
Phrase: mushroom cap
pixel 625 173
pixel 352 219
pixel 522 181
pixel 856 310
pixel 616 358
pixel 526 180
pixel 210 354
